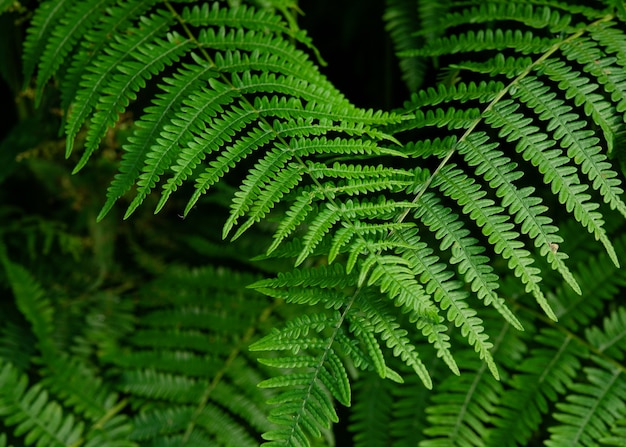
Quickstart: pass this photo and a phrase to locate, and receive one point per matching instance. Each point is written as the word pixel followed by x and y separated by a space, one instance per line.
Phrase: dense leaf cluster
pixel 450 269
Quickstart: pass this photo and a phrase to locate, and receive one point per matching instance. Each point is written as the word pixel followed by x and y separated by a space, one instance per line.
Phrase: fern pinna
pixel 413 235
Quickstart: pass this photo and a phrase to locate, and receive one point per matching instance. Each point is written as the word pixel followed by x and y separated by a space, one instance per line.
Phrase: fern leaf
pixel 117 19
pixel 595 61
pixel 510 67
pixel 103 71
pixel 459 416
pixel 294 216
pixel 539 17
pixel 371 414
pixel 43 22
pixel 535 145
pixel 363 231
pixel 618 435
pixel 500 173
pixel 472 264
pixel 367 338
pixel 148 424
pixel 149 128
pixel 583 91
pixel 270 169
pixel 321 225
pixel 201 107
pixel 495 226
pixel 113 432
pixel 162 386
pixel 63 37
pixel 272 195
pixel 446 292
pixel 305 408
pixel 537 96
pixel 545 373
pixel 401 17
pixel 123 87
pixel 484 92
pixel 498 39
pixel 246 17
pixel 17 344
pixel 79 387
pixel 41 420
pixel 600 276
pixel 608 339
pixel 396 339
pixel 591 407
pixel 32 302
pixel 397 280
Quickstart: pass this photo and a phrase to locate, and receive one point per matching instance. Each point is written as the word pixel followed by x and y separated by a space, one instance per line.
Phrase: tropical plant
pixel 443 273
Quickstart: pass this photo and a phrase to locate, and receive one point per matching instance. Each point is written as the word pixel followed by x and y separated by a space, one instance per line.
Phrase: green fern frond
pixel 465 252
pixel 305 408
pixel 165 421
pixel 583 92
pixel 117 18
pixel 33 413
pixel 526 208
pixel 123 86
pixel 602 278
pixel 177 389
pixel 64 36
pixel 43 22
pixel 150 127
pixel 484 92
pixel 113 432
pixel 495 226
pixel 508 66
pixel 527 14
pixel 31 301
pixel 543 376
pixel 79 388
pixel 396 339
pixel 401 21
pixel 498 39
pixel 184 356
pixel 591 407
pixel 446 292
pixel 608 340
pixel 363 332
pixel 387 230
pixel 571 191
pixel 247 17
pixel 371 412
pixel 460 415
pixel 618 434
pixel 597 63
pixel 72 382
pixel 108 91
pixel 17 345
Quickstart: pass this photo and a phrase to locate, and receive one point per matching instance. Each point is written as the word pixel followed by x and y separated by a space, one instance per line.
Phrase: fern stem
pixel 99 425
pixel 494 101
pixel 322 359
pixel 234 354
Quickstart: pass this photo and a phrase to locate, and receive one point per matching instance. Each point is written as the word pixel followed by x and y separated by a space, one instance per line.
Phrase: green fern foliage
pixel 432 247
pixel 182 385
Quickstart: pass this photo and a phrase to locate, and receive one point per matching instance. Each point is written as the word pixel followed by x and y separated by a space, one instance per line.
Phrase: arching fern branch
pixel 230 97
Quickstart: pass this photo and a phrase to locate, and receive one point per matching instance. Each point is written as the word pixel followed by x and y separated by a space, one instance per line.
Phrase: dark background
pixel 359 52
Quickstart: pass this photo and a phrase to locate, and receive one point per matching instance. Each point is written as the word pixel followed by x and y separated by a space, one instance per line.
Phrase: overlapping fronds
pixel 399 227
pixel 69 404
pixel 578 380
pixel 186 362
